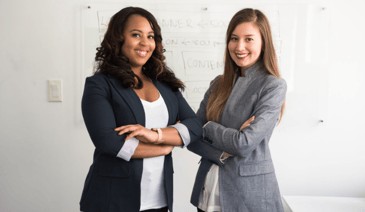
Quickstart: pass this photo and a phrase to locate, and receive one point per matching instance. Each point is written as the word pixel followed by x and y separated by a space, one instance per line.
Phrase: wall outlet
pixel 55 90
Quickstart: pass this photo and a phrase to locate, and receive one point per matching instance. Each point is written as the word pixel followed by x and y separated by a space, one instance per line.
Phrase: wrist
pixel 159 133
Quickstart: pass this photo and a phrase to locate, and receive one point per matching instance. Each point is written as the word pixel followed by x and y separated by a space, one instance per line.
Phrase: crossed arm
pixel 100 121
pixel 243 141
pixel 150 145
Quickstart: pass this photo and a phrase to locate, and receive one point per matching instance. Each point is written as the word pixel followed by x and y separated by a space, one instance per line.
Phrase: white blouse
pixel 153 193
pixel 209 195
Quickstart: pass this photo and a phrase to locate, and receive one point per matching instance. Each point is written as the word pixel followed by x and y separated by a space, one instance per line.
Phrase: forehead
pixel 246 28
pixel 138 22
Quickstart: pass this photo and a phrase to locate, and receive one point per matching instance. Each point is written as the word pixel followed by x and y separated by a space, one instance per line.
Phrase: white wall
pixel 45 150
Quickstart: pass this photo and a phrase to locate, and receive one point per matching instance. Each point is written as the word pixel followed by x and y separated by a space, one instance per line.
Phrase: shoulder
pixel 271 81
pixel 216 79
pixel 97 82
pixel 97 78
pixel 274 86
pixel 214 82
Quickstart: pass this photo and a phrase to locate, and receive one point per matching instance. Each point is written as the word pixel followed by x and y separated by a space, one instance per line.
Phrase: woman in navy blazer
pixel 130 71
pixel 236 172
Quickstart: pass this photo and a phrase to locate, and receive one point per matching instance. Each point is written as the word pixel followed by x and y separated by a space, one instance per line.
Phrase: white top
pixel 130 145
pixel 153 193
pixel 209 195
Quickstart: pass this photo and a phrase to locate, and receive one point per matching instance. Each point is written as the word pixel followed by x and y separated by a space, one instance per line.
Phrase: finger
pixel 244 125
pixel 177 122
pixel 126 126
pixel 133 134
pixel 138 132
pixel 249 120
pixel 121 127
pixel 127 130
pixel 247 123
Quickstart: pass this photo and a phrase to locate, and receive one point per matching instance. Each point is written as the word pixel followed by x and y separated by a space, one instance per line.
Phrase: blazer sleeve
pixel 99 117
pixel 266 112
pixel 187 118
pixel 200 146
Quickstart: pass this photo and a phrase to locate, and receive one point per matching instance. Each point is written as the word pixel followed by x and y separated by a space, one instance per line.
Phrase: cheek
pixel 126 46
pixel 259 47
pixel 153 46
pixel 231 48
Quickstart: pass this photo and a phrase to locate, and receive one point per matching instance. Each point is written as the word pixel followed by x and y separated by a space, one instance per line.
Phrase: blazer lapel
pixel 131 98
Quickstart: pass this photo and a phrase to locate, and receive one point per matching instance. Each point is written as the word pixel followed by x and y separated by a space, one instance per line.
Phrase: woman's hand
pixel 139 132
pixel 169 149
pixel 247 123
pixel 226 155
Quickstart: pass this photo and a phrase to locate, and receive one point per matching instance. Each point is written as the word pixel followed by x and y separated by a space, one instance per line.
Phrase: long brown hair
pixel 110 60
pixel 219 97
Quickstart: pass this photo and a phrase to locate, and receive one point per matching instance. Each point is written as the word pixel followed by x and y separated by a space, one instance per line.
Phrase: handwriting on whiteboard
pixel 202 63
pixel 195 90
pixel 193 42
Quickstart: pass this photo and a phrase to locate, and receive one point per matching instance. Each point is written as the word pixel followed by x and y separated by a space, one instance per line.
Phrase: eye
pixel 151 37
pixel 136 35
pixel 249 39
pixel 234 39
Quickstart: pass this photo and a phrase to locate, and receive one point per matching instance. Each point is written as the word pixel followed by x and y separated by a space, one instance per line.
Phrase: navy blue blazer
pixel 113 184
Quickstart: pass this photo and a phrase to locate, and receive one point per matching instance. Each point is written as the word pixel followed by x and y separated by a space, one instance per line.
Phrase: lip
pixel 141 53
pixel 241 55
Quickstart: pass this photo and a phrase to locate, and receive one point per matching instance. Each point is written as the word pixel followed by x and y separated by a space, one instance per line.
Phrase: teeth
pixel 142 53
pixel 241 55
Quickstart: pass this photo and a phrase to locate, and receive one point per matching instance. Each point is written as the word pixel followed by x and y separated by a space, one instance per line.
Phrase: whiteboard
pixel 194 40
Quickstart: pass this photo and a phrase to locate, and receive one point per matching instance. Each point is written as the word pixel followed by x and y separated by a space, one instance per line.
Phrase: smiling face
pixel 245 45
pixel 139 42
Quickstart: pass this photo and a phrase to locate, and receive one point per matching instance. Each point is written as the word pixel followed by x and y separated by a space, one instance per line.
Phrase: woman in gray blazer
pixel 236 171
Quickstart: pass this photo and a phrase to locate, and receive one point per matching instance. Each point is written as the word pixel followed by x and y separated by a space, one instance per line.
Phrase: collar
pixel 251 72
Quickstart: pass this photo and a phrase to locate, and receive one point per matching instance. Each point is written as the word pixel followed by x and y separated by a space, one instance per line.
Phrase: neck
pixel 137 71
pixel 243 69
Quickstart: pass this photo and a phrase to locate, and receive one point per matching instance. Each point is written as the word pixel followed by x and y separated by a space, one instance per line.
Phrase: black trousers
pixel 199 210
pixel 157 210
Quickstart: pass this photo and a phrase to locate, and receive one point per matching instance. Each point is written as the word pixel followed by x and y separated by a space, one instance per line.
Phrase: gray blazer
pixel 247 181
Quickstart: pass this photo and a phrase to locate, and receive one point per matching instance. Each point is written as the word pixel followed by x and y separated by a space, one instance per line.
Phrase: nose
pixel 143 41
pixel 241 45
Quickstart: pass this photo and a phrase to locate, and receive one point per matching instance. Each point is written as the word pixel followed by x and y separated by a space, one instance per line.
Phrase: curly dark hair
pixel 110 60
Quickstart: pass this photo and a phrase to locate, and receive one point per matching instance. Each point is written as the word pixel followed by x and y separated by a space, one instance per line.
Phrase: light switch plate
pixel 55 90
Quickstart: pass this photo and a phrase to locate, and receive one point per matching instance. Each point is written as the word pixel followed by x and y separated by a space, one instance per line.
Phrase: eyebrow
pixel 244 35
pixel 140 31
